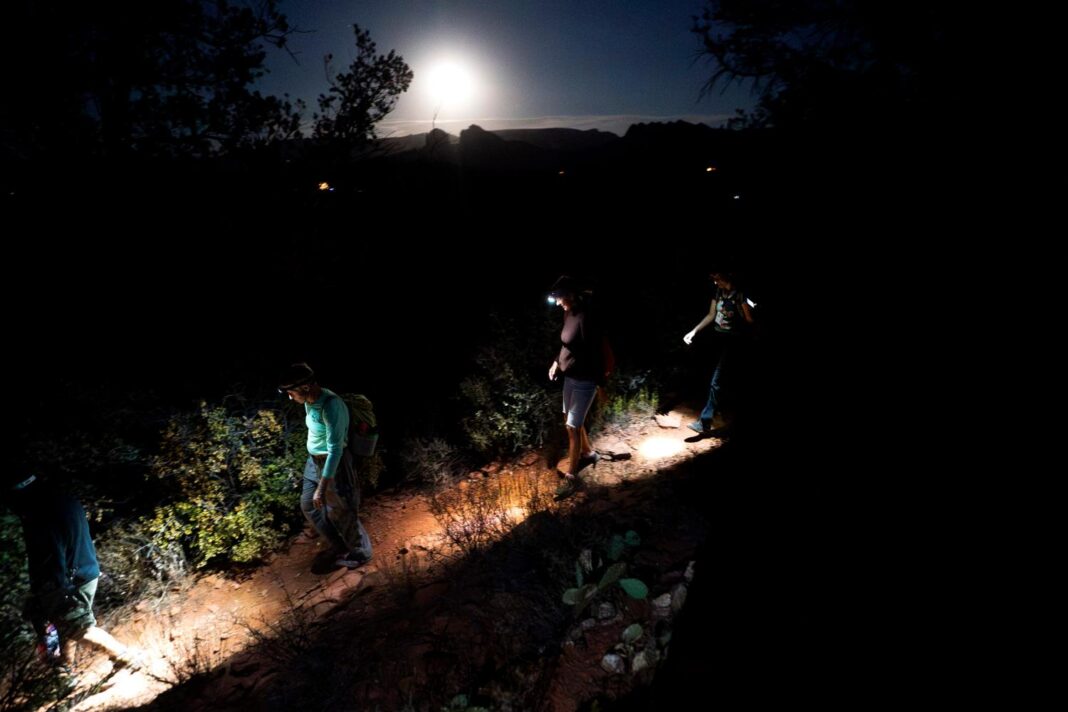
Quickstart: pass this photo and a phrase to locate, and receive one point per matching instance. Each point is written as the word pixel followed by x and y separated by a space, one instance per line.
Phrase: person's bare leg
pixel 106 642
pixel 573 448
pixel 587 449
pixel 68 648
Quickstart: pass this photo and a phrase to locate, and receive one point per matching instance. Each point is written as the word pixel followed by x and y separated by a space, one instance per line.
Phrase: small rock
pixel 663 601
pixel 670 420
pixel 615 449
pixel 588 623
pixel 612 663
pixel 689 572
pixel 645 659
pixel 678 597
pixel 529 459
pixel 605 611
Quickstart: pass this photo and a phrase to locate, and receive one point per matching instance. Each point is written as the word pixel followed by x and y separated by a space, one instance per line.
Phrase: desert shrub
pixel 232 482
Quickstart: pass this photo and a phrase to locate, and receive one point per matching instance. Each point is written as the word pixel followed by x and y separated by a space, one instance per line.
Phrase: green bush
pixel 628 397
pixel 507 403
pixel 230 478
pixel 369 470
pixel 509 413
pixel 136 564
pixel 430 461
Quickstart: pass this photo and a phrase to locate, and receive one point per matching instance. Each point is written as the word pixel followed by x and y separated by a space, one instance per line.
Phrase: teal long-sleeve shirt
pixel 328 428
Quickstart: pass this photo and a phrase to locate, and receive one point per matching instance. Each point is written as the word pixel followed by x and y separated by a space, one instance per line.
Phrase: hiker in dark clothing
pixel 63 570
pixel 585 360
pixel 729 314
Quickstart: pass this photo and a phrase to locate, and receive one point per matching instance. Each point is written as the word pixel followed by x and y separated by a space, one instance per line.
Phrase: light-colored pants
pixel 578 397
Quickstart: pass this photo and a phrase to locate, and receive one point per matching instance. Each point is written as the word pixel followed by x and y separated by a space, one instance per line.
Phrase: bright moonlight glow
pixel 450 83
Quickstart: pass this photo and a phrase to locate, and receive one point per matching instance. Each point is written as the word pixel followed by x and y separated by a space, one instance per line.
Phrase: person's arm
pixel 49 579
pixel 747 313
pixel 336 419
pixel 709 318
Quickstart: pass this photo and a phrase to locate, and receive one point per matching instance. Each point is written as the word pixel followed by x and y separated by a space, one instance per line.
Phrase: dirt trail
pixel 206 627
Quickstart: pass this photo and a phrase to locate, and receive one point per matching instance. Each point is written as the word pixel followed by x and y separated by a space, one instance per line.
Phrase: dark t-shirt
pixel 729 318
pixel 582 350
pixel 58 545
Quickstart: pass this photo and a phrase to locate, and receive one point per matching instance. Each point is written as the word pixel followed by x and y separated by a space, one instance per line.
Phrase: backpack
pixel 363 425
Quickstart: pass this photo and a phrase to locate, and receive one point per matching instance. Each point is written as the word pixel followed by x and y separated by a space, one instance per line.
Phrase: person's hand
pixel 689 337
pixel 552 371
pixel 317 498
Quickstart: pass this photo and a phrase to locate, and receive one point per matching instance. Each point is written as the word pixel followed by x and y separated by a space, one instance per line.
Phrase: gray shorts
pixel 71 613
pixel 578 397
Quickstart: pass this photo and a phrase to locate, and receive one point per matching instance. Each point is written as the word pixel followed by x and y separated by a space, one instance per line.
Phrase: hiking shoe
pixel 698 426
pixel 352 561
pixel 66 677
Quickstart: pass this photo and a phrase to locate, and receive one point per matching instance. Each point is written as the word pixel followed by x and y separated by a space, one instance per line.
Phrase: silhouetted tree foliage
pixel 832 62
pixel 161 78
pixel 361 97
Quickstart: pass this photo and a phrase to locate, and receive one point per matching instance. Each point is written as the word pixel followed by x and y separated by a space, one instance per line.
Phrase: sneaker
pixel 698 426
pixel 66 677
pixel 352 561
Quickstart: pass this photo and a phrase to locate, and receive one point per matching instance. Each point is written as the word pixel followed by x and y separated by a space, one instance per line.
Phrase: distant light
pixel 552 301
pixel 560 173
pixel 710 169
pixel 751 303
pixel 656 448
pixel 737 197
pixel 324 186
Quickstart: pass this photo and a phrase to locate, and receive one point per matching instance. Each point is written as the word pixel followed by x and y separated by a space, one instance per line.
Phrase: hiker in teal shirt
pixel 330 498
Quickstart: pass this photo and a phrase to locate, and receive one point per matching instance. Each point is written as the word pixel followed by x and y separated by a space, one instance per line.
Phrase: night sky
pixel 532 64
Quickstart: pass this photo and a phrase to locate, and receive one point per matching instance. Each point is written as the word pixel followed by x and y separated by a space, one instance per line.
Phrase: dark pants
pixel 725 353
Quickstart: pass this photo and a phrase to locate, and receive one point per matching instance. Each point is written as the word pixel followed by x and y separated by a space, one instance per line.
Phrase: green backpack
pixel 363 425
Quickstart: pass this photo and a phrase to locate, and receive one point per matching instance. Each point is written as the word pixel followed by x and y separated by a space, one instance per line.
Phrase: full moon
pixel 450 83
